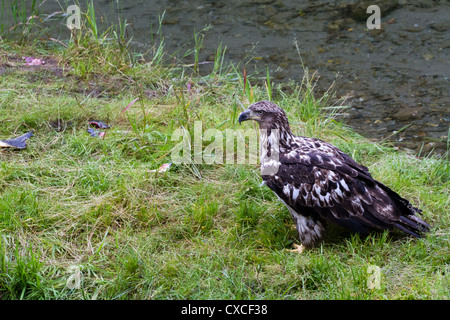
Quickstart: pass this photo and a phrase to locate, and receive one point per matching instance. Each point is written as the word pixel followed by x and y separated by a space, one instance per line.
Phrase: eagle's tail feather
pixel 412 225
pixel 409 221
pixel 421 223
pixel 404 229
pixel 419 226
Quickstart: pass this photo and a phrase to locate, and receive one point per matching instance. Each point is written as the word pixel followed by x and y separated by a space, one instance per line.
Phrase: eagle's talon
pixel 299 248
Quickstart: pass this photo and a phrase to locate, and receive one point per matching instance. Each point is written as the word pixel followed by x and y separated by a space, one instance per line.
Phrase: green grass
pixel 72 203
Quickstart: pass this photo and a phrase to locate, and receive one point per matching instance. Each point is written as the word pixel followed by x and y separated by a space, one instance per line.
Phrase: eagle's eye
pixel 260 112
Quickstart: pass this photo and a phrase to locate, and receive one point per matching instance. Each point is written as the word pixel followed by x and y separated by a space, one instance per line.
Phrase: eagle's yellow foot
pixel 297 248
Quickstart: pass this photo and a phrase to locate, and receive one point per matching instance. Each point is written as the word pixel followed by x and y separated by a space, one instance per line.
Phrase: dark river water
pixel 397 76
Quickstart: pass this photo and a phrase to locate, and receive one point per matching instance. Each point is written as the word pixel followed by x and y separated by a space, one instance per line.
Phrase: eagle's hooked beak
pixel 244 116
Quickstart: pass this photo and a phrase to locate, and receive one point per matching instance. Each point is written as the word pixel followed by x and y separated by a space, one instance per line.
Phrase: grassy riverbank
pixel 74 206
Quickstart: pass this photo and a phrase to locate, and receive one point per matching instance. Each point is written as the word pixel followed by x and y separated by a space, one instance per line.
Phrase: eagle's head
pixel 267 114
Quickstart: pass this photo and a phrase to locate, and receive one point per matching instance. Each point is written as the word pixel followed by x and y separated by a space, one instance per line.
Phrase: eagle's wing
pixel 325 182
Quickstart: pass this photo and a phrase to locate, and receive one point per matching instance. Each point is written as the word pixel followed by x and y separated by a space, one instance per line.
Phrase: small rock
pixel 408 113
pixel 414 28
pixel 358 10
pixel 283 17
pixel 170 21
pixel 441 26
pixel 336 25
pixel 385 97
pixel 432 146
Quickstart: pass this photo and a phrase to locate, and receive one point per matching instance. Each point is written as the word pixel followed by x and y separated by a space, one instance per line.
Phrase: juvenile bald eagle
pixel 319 183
